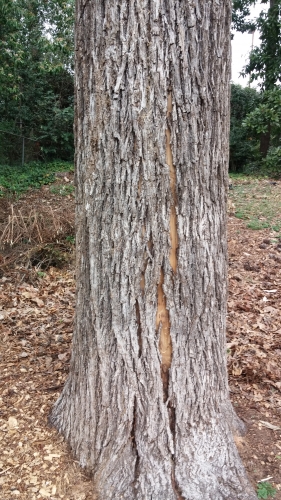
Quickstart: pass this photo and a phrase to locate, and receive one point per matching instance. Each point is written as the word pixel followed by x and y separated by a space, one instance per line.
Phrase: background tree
pixel 241 20
pixel 36 76
pixel 243 143
pixel 263 119
pixel 146 405
pixel 264 65
pixel 265 61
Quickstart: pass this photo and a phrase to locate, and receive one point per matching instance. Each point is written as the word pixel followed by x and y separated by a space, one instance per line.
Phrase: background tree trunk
pixel 265 142
pixel 146 406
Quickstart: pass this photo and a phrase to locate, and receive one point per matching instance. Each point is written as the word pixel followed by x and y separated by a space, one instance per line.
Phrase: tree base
pixel 205 464
pixel 208 465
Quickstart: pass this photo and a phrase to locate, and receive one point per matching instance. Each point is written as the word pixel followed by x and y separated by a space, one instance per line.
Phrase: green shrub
pixel 265 490
pixel 242 148
pixel 271 164
pixel 18 179
pixel 256 224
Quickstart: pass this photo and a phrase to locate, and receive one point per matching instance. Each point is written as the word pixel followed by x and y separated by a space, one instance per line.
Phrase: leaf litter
pixel 36 322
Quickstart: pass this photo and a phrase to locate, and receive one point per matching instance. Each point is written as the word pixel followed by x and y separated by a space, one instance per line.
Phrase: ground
pixel 37 293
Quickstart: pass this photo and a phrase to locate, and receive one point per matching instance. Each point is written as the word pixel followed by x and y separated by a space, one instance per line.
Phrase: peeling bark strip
pixel 152 119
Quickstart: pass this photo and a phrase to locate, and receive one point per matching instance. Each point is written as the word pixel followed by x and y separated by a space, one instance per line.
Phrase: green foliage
pixel 240 215
pixel 17 180
pixel 256 224
pixel 276 227
pixel 242 148
pixel 267 114
pixel 257 202
pixel 36 78
pixel 266 118
pixel 265 490
pixel 240 15
pixel 41 274
pixel 271 164
pixel 70 239
pixel 254 114
pixel 240 176
pixel 63 189
pixel 262 125
pixel 265 61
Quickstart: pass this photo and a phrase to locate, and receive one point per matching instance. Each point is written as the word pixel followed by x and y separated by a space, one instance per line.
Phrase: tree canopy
pixel 36 78
pixel 265 61
pixel 255 136
pixel 36 75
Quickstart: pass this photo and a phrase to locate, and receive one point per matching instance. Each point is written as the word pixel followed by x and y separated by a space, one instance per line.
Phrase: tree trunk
pixel 146 406
pixel 265 142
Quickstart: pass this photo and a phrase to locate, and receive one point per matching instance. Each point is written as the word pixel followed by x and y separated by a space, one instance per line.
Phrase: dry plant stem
pixel 3 237
pixel 36 225
pixel 23 222
pixel 54 221
pixel 12 221
pixel 151 246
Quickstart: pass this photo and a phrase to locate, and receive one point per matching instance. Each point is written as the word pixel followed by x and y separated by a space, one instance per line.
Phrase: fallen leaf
pixel 236 371
pixel 24 354
pixel 38 301
pixel 62 357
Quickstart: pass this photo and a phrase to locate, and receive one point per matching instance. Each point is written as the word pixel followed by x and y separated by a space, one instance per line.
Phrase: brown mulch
pixel 254 347
pixel 36 314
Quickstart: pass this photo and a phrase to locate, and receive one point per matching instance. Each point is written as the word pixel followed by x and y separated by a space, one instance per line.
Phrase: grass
pixel 62 189
pixel 257 201
pixel 256 224
pixel 18 179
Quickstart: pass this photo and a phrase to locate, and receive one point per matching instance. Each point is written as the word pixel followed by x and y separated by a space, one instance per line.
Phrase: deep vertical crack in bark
pixel 134 444
pixel 139 327
pixel 173 214
pixel 165 344
pixel 174 263
pixel 162 316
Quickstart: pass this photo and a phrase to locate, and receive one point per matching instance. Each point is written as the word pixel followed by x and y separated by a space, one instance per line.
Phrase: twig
pixel 3 471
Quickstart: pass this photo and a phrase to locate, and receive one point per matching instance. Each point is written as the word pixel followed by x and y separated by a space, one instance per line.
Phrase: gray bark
pixel 146 406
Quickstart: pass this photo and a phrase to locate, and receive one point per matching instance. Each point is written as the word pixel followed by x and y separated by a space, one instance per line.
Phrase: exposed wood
pixel 173 180
pixel 162 315
pixel 165 343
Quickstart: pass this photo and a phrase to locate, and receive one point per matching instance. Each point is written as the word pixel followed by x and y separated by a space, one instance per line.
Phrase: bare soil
pixel 36 313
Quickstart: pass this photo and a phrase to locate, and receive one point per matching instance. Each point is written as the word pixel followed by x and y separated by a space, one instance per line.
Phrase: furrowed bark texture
pixel 146 406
